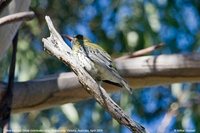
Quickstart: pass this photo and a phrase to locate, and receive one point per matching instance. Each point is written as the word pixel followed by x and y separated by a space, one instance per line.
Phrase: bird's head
pixel 77 40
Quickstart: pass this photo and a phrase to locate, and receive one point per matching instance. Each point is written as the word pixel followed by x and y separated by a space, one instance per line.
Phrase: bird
pixel 96 61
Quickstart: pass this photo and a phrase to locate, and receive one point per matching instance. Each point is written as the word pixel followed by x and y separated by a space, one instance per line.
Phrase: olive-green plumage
pixel 96 61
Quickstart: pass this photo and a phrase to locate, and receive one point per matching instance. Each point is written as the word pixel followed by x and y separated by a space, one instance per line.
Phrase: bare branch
pixel 142 52
pixel 21 16
pixel 8 31
pixel 172 112
pixel 56 46
pixel 140 72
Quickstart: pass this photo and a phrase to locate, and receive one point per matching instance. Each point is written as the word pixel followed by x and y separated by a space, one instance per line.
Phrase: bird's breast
pixel 97 70
pixel 87 64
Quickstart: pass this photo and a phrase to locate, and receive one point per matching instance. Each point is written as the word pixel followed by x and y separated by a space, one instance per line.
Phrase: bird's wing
pixel 97 54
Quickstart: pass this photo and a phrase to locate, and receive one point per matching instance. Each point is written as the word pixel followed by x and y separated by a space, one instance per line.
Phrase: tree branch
pixel 21 16
pixel 142 52
pixel 57 47
pixel 55 90
pixel 8 31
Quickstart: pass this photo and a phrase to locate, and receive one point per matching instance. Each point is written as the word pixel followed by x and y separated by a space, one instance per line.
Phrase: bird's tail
pixel 125 85
pixel 121 81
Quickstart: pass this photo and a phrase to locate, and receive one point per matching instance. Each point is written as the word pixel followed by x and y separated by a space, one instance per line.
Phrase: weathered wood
pixel 16 17
pixel 8 31
pixel 57 47
pixel 55 90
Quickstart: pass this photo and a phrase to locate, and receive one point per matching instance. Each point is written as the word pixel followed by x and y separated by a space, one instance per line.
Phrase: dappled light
pixel 120 28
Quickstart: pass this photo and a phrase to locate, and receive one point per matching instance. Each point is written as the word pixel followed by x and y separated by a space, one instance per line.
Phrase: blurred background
pixel 120 27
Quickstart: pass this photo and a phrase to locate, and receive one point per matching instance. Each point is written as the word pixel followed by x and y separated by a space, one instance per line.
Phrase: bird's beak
pixel 68 37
